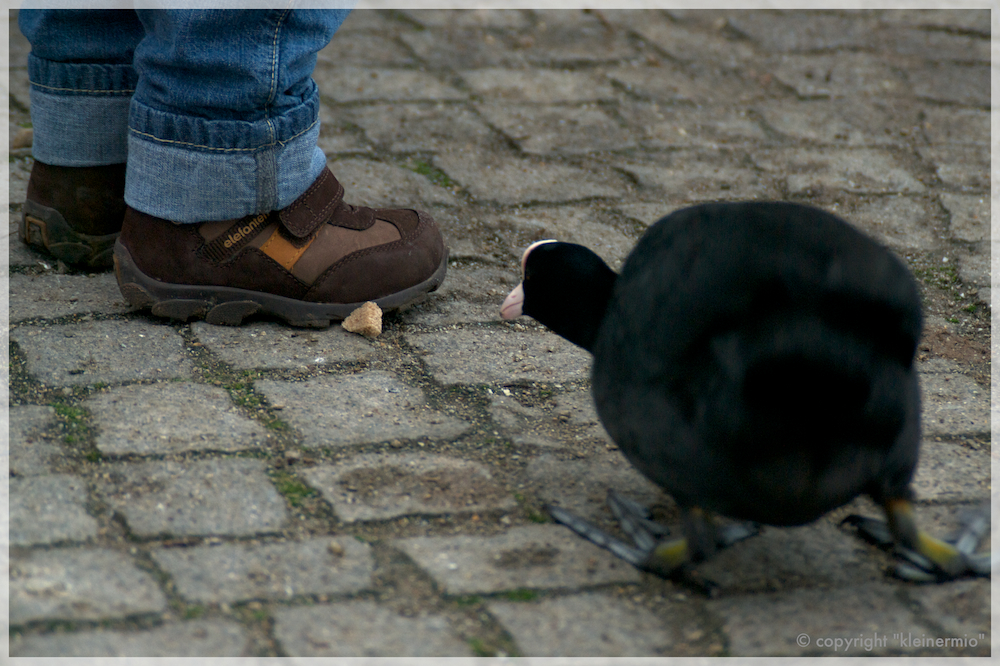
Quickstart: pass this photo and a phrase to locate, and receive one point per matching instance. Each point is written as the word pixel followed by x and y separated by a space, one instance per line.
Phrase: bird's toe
pixel 923 558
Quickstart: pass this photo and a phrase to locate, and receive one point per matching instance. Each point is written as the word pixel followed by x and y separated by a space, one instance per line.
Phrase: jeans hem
pixel 79 130
pixel 194 133
pixel 170 181
pixel 62 78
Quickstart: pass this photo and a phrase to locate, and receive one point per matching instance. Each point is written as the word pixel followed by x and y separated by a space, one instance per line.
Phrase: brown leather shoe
pixel 315 261
pixel 74 213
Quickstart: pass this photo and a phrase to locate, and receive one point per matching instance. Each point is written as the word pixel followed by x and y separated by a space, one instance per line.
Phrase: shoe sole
pixel 45 228
pixel 229 306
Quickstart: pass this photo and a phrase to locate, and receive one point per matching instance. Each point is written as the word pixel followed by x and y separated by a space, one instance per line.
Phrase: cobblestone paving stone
pixel 58 295
pixel 200 497
pixel 382 486
pixel 49 509
pixel 80 584
pixel 29 453
pixel 181 489
pixel 354 409
pixel 585 625
pixel 234 572
pixel 188 417
pixel 346 630
pixel 102 352
pixel 208 638
pixel 267 345
pixel 533 556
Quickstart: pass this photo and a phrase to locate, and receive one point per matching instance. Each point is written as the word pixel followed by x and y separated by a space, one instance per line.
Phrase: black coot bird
pixel 756 361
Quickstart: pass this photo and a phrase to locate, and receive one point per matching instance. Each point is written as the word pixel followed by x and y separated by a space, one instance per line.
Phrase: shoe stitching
pixel 402 236
pixel 364 252
pixel 233 268
pixel 282 251
pixel 301 201
pixel 229 243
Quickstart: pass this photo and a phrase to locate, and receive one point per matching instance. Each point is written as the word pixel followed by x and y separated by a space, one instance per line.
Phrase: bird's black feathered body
pixel 756 360
pixel 753 359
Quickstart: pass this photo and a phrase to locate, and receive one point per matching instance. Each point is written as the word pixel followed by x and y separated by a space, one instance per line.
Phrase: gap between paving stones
pixel 196 456
pixel 236 400
pixel 179 612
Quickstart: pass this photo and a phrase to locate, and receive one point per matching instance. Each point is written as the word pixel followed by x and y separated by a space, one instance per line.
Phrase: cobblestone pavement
pixel 184 489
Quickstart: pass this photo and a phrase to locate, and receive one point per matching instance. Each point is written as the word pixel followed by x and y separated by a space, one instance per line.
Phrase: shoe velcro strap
pixel 323 202
pixel 235 238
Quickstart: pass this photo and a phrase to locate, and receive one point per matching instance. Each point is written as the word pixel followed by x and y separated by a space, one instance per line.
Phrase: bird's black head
pixel 564 286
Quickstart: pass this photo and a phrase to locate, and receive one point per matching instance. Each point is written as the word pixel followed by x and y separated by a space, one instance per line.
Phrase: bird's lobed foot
pixel 932 560
pixel 667 558
pixel 634 556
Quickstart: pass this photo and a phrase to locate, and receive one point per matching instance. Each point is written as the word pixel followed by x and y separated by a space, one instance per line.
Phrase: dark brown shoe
pixel 311 263
pixel 75 213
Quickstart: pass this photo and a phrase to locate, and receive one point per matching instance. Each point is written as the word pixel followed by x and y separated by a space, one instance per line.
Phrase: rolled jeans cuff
pixel 220 169
pixel 79 112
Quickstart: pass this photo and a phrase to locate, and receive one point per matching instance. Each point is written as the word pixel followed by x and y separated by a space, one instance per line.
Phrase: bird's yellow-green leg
pixel 651 552
pixel 668 557
pixel 698 543
pixel 903 526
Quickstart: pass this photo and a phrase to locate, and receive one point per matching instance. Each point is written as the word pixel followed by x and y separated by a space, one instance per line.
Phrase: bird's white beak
pixel 511 307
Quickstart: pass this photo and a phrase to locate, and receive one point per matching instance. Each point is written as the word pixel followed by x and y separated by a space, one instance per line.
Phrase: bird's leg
pixel 703 536
pixel 924 558
pixel 652 552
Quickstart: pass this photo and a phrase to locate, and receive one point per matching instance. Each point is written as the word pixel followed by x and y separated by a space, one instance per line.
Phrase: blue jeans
pixel 214 111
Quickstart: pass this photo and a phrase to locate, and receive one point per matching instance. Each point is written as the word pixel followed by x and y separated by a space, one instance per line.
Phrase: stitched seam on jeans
pixel 274 58
pixel 83 90
pixel 223 150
